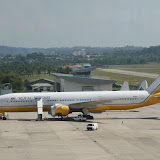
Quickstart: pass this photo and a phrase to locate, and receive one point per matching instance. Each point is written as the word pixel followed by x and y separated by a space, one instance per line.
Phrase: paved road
pixel 140 74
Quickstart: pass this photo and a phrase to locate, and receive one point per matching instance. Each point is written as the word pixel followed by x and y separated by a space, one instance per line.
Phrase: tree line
pixel 13 70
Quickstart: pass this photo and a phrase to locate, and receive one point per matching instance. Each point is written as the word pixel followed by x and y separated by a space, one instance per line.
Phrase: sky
pixel 68 23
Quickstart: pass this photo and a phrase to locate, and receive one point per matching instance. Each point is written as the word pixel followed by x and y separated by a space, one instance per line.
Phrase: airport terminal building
pixel 81 80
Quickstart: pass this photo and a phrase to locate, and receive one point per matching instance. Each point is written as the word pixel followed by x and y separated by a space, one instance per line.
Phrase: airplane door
pixel 140 98
pixel 5 102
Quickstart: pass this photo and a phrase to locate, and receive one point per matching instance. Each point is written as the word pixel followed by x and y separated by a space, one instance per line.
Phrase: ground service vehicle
pixel 92 126
pixel 79 118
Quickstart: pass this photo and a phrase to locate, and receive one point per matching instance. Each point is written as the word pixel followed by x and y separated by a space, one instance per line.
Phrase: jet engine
pixel 60 110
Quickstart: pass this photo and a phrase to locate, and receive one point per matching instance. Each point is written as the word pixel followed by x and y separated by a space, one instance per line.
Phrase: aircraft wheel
pixel 4 118
pixel 89 117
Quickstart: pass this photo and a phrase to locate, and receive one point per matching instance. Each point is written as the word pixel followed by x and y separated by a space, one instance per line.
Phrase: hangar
pixel 81 80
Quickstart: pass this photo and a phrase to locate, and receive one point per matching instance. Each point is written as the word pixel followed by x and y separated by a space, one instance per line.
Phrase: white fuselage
pixel 68 98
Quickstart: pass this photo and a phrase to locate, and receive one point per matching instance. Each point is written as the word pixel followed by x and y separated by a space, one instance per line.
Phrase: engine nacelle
pixel 60 110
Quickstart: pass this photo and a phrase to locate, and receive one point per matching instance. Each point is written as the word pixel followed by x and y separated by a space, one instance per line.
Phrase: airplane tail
pixel 125 86
pixel 143 86
pixel 155 86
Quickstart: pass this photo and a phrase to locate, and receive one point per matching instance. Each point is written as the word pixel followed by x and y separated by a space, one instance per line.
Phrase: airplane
pixel 143 86
pixel 125 86
pixel 64 103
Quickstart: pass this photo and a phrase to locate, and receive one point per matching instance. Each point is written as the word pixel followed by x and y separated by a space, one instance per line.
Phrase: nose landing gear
pixel 4 118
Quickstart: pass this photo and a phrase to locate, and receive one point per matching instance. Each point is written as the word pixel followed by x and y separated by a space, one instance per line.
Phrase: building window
pixel 48 89
pixel 58 87
pixel 40 88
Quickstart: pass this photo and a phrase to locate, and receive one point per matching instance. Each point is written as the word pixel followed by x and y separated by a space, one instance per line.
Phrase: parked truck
pixel 79 118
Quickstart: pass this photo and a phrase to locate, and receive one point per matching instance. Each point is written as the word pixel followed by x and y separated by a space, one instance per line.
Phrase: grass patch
pixel 120 78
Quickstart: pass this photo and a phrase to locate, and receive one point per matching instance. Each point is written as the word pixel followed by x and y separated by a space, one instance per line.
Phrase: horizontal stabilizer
pixel 154 87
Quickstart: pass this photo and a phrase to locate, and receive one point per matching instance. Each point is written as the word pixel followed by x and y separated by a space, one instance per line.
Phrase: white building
pixel 43 85
pixel 81 81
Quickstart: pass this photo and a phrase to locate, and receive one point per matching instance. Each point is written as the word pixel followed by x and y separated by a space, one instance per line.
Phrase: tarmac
pixel 122 135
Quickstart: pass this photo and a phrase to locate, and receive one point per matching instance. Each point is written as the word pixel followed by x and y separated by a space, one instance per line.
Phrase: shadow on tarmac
pixel 87 121
pixel 157 118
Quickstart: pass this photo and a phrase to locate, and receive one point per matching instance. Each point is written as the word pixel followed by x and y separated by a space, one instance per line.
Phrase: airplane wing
pixel 91 104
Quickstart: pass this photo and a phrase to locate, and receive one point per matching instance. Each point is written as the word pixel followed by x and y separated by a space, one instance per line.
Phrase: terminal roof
pixel 84 79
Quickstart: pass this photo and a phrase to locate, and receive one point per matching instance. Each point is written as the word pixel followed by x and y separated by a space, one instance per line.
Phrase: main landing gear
pixel 86 113
pixel 88 116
